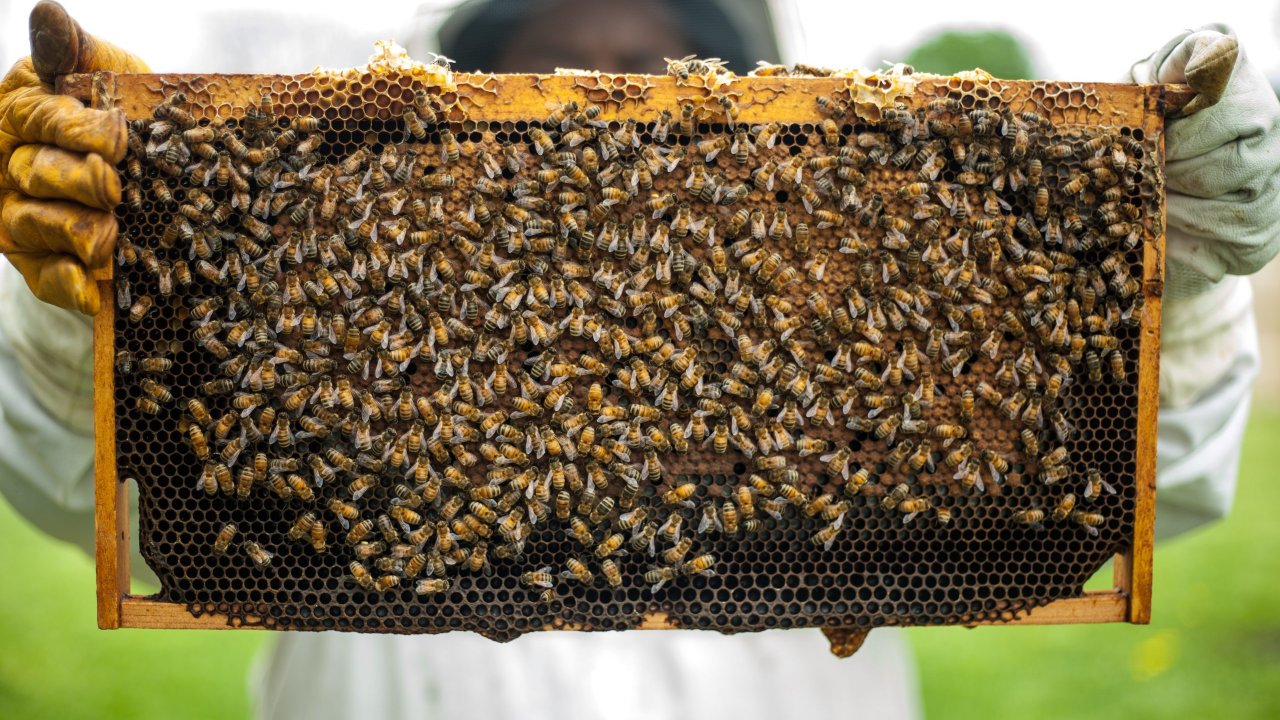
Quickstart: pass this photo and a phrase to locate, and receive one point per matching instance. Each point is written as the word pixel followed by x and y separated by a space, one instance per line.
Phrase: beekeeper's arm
pixel 1223 180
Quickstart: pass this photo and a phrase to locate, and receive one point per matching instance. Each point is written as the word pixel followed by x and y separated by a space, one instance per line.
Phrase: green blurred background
pixel 1212 649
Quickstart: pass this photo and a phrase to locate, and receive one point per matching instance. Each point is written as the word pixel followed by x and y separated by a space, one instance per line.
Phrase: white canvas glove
pixel 1222 161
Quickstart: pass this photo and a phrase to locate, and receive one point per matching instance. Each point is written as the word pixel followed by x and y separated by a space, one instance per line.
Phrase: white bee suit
pixel 1224 211
pixel 649 674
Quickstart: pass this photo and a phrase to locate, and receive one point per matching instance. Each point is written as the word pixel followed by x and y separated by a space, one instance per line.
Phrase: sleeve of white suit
pixel 46 416
pixel 1208 363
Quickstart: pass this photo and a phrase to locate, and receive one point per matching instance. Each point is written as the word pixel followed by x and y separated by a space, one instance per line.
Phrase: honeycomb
pixel 386 366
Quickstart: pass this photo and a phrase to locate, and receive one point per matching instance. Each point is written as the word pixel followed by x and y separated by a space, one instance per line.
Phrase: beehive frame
pixel 761 100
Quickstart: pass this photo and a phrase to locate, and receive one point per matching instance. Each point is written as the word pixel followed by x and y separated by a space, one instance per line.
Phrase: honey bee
pixel 832 107
pixel 827 535
pixel 680 494
pixel 816 268
pixel 477 561
pixel 954 363
pixel 140 308
pixel 1061 426
pixel 302 526
pixel 432 586
pixel 857 481
pixel 1115 360
pixel 1064 508
pixel 577 570
pixel 257 554
pixel 319 536
pixel 1095 485
pixel 1033 517
pixel 700 565
pixel 1076 184
pixel 960 455
pixel 911 507
pixel 942 516
pixel 609 545
pixel 199 444
pixel 345 512
pixel 361 575
pixel 899 493
pixel 659 576
pixel 222 543
pixel 387 582
pixel 359 531
pixel 542 142
pixel 1090 521
pixel 612 574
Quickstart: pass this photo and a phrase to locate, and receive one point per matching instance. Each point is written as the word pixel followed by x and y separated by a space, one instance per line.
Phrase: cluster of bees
pixel 438 346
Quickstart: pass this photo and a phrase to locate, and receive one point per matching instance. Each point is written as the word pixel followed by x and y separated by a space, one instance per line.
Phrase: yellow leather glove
pixel 58 183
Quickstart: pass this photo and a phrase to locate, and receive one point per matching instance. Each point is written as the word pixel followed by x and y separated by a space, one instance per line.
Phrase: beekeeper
pixel 57 188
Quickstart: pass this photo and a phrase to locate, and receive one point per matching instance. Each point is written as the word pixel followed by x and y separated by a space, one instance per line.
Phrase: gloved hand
pixel 58 183
pixel 1222 161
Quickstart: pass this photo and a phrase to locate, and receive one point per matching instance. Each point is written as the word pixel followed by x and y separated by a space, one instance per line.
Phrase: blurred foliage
pixel 951 51
pixel 1212 650
pixel 57 664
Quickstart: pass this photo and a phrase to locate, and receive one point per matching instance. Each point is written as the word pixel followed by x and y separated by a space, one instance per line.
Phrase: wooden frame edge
pixel 760 99
pixel 111 497
pixel 1143 550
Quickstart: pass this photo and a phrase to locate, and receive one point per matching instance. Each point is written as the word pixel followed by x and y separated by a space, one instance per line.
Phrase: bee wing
pixel 706 522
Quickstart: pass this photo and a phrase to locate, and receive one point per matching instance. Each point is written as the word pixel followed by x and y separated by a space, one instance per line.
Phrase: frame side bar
pixel 1148 395
pixel 111 497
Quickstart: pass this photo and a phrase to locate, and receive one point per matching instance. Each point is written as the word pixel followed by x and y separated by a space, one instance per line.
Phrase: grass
pixel 1212 650
pixel 56 663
